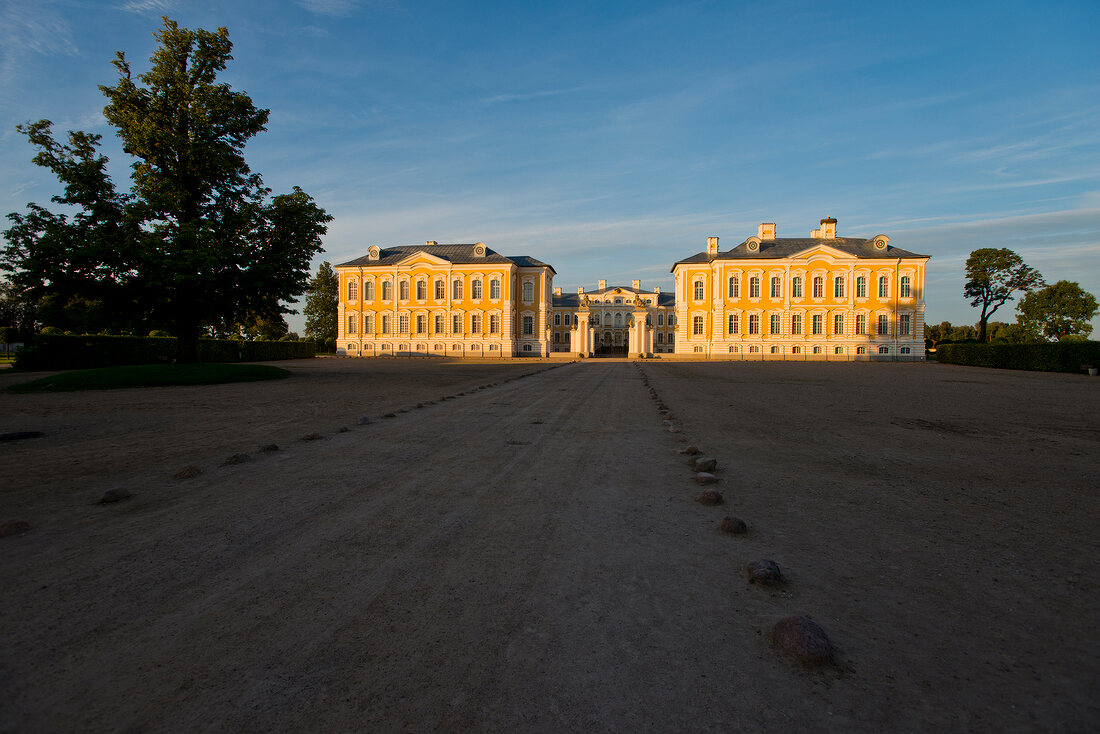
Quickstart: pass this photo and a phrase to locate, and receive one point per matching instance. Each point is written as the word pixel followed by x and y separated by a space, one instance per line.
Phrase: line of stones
pixel 119 494
pixel 797 636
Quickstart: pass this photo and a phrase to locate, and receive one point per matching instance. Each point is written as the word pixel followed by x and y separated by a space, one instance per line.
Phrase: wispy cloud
pixel 524 96
pixel 340 8
pixel 148 7
pixel 30 29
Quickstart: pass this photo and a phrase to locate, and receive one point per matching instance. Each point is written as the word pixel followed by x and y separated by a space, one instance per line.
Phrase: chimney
pixel 828 228
pixel 636 284
pixel 580 290
pixel 429 243
pixel 603 284
pixel 712 245
pixel 766 231
pixel 657 289
pixel 557 291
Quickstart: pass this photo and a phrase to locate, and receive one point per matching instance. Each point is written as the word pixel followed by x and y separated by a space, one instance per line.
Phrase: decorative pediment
pixel 817 250
pixel 421 258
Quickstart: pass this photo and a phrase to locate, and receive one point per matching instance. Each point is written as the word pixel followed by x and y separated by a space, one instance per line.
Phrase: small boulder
pixel 706 464
pixel 690 450
pixel 342 429
pixel 673 429
pixel 802 639
pixel 709 497
pixel 764 572
pixel 14 528
pixel 733 526
pixel 114 495
pixel 235 459
pixel 364 420
pixel 189 472
pixel 704 477
pixel 268 448
pixel 312 437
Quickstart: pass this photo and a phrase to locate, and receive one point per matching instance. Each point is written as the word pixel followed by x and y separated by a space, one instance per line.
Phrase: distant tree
pixel 992 276
pixel 197 242
pixel 1001 332
pixel 1058 310
pixel 263 328
pixel 321 305
pixel 16 312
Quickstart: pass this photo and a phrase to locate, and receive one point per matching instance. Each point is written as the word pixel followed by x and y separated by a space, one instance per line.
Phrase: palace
pixel 819 297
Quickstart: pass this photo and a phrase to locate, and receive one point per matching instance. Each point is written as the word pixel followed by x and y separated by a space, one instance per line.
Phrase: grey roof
pixel 457 254
pixel 791 246
pixel 573 300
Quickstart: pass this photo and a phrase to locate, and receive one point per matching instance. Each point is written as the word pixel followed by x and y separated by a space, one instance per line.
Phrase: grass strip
pixel 150 375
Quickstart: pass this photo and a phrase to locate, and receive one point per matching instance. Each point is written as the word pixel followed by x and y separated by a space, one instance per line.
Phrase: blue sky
pixel 610 139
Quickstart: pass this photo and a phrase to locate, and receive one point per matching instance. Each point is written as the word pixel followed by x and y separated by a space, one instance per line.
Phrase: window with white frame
pixel 754 323
pixel 796 350
pixel 421 290
pixel 403 323
pixel 838 323
pixel 660 337
pixel 368 290
pixel 456 289
pixel 475 323
pixel 882 328
pixel 884 350
pixel 777 287
pixel 385 323
pixel 368 323
pixel 817 350
pixel 421 323
pixel 456 324
pixel 734 288
pixel 905 324
pixel 697 290
pixel 438 323
pixel 819 287
pixel 906 287
pixel 557 337
pixel 660 319
pixel 796 323
pixel 557 319
pixel 494 288
pixel 528 322
pixel 861 287
pixel 754 349
pixel 818 323
pixel 353 290
pixel 403 290
pixel 387 290
pixel 775 350
pixel 838 350
pixel 528 292
pixel 774 324
pixel 905 350
pixel 861 323
pixel 796 287
pixel 734 326
pixel 861 350
pixel 440 289
pixel 884 286
pixel 475 289
pixel 697 325
pixel 494 323
pixel 838 287
pixel 351 324
pixel 754 287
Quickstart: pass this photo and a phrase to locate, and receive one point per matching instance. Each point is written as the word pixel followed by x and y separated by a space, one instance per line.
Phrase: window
pixel 754 349
pixel 817 350
pixel 440 290
pixel 494 288
pixel 796 287
pixel 475 323
pixel 475 289
pixel 819 287
pixel 456 324
pixel 861 287
pixel 595 319
pixel 754 287
pixel 353 290
pixel 861 323
pixel 838 323
pixel 697 325
pixel 818 324
pixel 575 321
pixel 883 327
pixel 734 290
pixel 796 323
pixel 905 350
pixel 883 286
pixel 660 319
pixel 905 324
pixel 774 324
pixel 557 337
pixel 528 292
pixel 670 340
pixel 421 290
pixel 796 350
pixel 838 350
pixel 698 290
pixel 528 321
pixel 456 290
pixel 351 324
pixel 387 290
pixel 368 290
pixel 557 319
pixel 861 350
pixel 777 287
pixel 734 324
pixel 906 288
pixel 527 347
pixel 403 290
pixel 697 350
pixel 368 323
pixel 734 349
pixel 438 324
pixel 403 323
pixel 421 324
pixel 775 350
pixel 385 323
pixel 838 287
pixel 884 350
pixel 660 337
pixel 494 324
pixel 754 323
pixel 618 301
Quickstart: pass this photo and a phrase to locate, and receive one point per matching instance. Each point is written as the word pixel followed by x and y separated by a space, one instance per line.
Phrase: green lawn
pixel 150 375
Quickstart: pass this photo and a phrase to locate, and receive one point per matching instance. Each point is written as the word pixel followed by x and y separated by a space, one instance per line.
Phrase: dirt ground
pixel 528 555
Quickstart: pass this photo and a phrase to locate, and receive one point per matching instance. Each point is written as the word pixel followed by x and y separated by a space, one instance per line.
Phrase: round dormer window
pixel 881 242
pixel 480 250
pixel 373 252
pixel 753 246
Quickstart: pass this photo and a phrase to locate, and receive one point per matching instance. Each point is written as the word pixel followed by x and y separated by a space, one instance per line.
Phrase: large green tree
pixel 321 305
pixel 198 241
pixel 992 276
pixel 1058 310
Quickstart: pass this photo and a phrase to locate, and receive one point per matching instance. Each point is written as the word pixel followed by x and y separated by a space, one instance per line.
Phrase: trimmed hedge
pixel 62 352
pixel 1066 356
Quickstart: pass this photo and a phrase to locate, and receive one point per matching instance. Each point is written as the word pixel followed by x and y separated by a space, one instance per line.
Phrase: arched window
pixel 861 350
pixel 368 290
pixel 734 290
pixel 838 323
pixel 734 324
pixel 660 319
pixel 697 350
pixel 353 290
pixel 438 323
pixel 861 323
pixel 818 324
pixel 456 324
pixel 796 350
pixel 777 287
pixel 697 325
pixel 884 350
pixel 838 350
pixel 403 323
pixel 775 350
pixel 905 350
pixel 796 287
pixel 796 323
pixel 697 290
pixel 884 286
pixel 421 324
pixel 475 289
pixel 494 323
pixel 905 322
pixel 403 290
pixel 754 287
pixel 385 324
pixel 817 350
pixel 387 290
pixel 906 288
pixel 421 290
pixel 494 288
pixel 456 290
pixel 774 326
pixel 861 287
pixel 528 325
pixel 351 324
pixel 819 287
pixel 754 349
pixel 883 328
pixel 440 289
pixel 528 292
pixel 838 287
pixel 368 323
pixel 754 323
pixel 475 323
pixel 618 320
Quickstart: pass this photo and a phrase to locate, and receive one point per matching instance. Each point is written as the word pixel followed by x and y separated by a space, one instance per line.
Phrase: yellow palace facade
pixel 823 297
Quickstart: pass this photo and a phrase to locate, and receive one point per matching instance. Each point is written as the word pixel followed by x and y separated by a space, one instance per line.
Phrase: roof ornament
pixel 479 249
pixel 373 252
pixel 881 242
pixel 752 244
